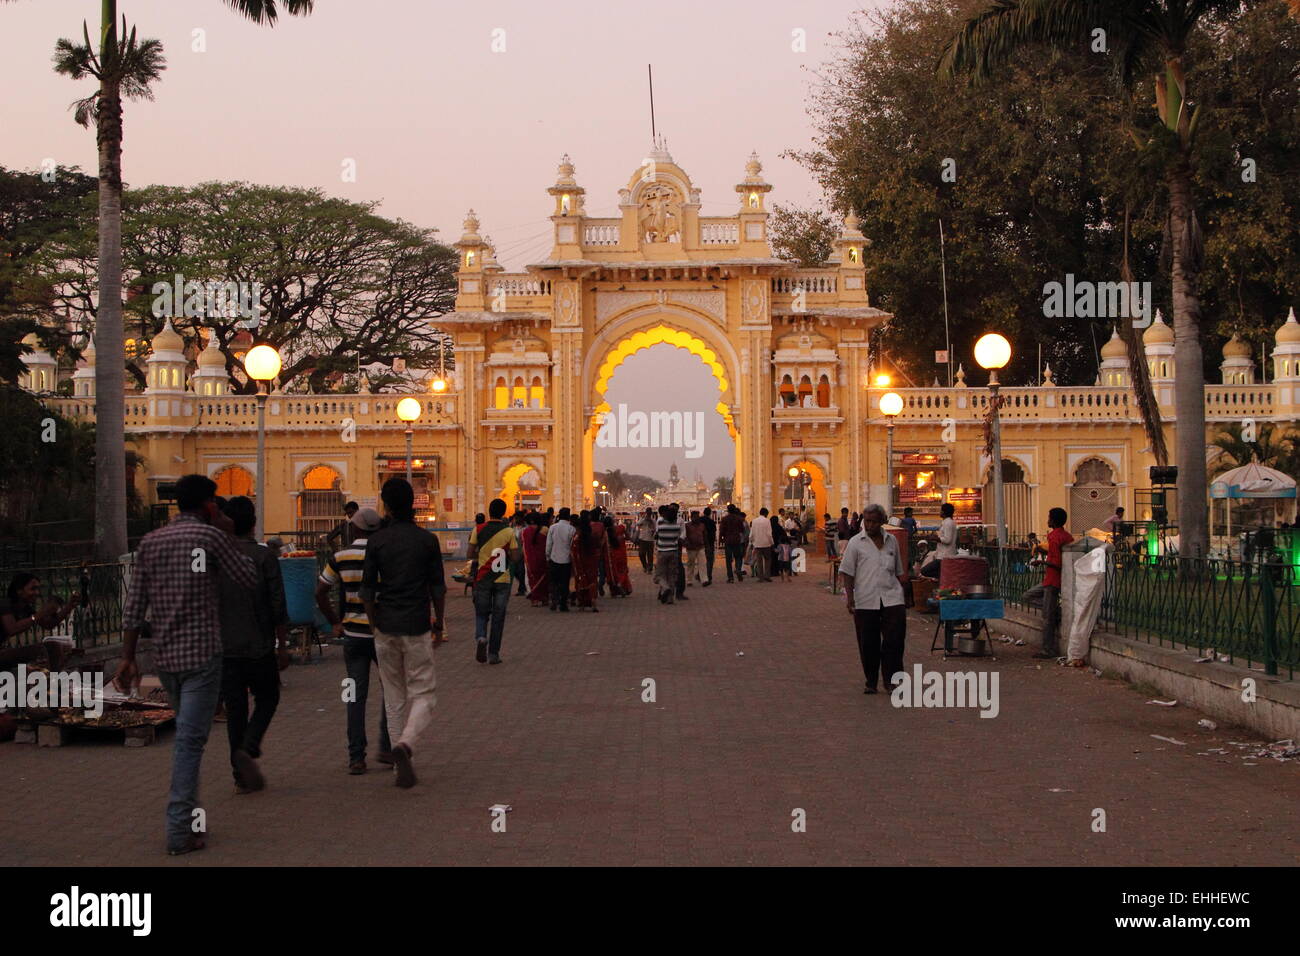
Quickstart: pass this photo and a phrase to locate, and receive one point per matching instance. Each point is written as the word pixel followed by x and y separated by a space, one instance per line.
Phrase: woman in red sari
pixel 535 574
pixel 588 552
pixel 620 584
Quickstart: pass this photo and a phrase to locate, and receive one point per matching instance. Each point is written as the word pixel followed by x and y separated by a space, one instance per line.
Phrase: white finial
pixel 1290 316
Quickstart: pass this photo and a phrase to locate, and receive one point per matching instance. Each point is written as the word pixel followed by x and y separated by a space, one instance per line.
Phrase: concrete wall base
pixel 1214 688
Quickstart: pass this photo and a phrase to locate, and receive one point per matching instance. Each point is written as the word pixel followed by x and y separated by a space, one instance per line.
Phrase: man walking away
pixel 760 538
pixel 174 581
pixel 344 569
pixel 710 544
pixel 695 538
pixel 871 571
pixel 559 559
pixel 404 593
pixel 668 560
pixel 732 531
pixel 497 554
pixel 251 624
pixel 843 531
pixel 1057 538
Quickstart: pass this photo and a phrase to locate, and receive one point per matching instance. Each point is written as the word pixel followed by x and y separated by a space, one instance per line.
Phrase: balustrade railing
pixel 810 282
pixel 724 233
pixel 602 233
pixel 520 285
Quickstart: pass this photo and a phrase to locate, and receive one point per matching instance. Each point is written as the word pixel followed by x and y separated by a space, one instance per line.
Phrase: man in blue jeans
pixel 344 569
pixel 174 580
pixel 496 551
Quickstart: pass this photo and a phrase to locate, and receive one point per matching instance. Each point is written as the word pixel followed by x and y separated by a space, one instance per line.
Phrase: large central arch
pixel 641 329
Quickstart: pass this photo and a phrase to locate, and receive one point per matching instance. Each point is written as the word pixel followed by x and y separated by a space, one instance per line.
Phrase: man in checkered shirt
pixel 174 583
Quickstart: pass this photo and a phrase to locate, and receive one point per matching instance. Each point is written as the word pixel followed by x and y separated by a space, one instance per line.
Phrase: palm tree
pixel 1136 31
pixel 615 483
pixel 124 67
pixel 724 486
pixel 1268 448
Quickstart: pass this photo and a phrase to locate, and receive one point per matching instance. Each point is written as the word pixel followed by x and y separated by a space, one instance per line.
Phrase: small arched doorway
pixel 1094 495
pixel 234 480
pixel 521 488
pixel 320 501
pixel 1016 495
pixel 814 495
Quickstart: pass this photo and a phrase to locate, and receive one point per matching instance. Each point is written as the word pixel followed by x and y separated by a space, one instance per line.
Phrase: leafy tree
pixel 725 486
pixel 342 288
pixel 1154 35
pixel 46 463
pixel 805 236
pixel 1270 448
pixel 615 483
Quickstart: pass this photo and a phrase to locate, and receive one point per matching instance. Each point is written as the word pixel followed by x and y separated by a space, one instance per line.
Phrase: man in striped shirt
pixel 495 548
pixel 668 554
pixel 351 624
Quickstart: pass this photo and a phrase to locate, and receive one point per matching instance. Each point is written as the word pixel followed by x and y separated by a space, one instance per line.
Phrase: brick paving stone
pixel 708 773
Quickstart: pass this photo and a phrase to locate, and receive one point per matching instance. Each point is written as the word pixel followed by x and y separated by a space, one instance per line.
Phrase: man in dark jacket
pixel 251 623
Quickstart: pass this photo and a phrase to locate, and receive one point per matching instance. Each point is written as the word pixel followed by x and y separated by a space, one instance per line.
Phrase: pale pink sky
pixel 436 122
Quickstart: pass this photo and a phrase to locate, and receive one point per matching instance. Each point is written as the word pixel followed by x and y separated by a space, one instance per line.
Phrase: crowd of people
pixel 211 599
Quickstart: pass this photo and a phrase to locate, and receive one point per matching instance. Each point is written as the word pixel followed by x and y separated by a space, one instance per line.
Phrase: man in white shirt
pixel 760 538
pixel 947 546
pixel 559 559
pixel 871 572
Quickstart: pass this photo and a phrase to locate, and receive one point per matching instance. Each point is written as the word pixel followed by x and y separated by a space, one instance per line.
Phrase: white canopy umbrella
pixel 1251 481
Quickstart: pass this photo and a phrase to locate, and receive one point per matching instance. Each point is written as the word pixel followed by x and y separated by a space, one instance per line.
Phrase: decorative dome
pixel 30 339
pixel 168 340
pixel 1236 348
pixel 88 353
pixel 1158 333
pixel 211 356
pixel 565 177
pixel 1114 348
pixel 471 224
pixel 1289 333
pixel 803 339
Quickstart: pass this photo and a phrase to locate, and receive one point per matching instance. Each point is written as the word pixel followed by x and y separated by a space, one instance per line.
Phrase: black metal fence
pixel 98 618
pixel 1246 612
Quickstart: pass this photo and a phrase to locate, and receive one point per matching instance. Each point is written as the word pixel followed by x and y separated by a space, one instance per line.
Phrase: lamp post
pixel 993 352
pixel 891 404
pixel 262 363
pixel 408 410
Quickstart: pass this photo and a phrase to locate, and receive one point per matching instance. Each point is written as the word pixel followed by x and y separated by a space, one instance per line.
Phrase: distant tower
pixel 672 477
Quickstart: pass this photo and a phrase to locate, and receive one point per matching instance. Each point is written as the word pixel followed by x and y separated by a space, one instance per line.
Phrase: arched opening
pixel 788 396
pixel 809 493
pixel 664 416
pixel 805 392
pixel 233 481
pixel 320 502
pixel 521 487
pixel 1016 495
pixel 1094 496
pixel 823 392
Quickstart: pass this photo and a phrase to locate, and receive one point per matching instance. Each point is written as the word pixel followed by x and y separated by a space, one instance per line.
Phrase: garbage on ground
pixel 1164 703
pixel 1207 724
pixel 500 808
pixel 1169 740
pixel 1204 660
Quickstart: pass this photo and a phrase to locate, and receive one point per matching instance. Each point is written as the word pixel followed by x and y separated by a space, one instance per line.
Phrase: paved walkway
pixel 759 710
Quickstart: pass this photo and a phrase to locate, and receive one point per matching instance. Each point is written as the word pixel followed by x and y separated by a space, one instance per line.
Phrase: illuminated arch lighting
pixel 510 481
pixel 658 335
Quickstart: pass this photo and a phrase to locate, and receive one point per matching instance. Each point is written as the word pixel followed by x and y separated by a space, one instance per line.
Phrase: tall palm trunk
pixel 110 364
pixel 1189 381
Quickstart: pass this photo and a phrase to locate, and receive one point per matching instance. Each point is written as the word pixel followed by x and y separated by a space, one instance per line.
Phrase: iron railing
pixel 1244 612
pixel 97 621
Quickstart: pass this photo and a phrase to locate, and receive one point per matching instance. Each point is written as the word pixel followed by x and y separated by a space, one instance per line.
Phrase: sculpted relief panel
pixel 660 216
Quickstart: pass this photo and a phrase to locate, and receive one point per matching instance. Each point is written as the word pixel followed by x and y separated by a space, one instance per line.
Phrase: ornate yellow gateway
pixel 787 347
pixel 535 351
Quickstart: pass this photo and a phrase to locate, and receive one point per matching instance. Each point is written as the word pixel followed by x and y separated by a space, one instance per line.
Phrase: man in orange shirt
pixel 1057 538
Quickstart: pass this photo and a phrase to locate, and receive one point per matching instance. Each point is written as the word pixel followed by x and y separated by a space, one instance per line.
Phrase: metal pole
pixel 889 462
pixel 998 503
pixel 410 432
pixel 260 524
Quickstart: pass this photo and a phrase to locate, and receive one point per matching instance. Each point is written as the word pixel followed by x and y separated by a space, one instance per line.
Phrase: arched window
pixel 787 391
pixel 537 393
pixel 805 391
pixel 1164 369
pixel 519 394
pixel 823 392
pixel 501 398
pixel 1094 471
pixel 234 480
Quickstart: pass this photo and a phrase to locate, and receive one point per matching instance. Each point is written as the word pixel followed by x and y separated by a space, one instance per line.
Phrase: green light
pixel 1153 542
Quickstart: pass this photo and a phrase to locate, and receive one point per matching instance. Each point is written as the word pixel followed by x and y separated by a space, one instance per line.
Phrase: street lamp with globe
pixel 993 352
pixel 408 410
pixel 262 363
pixel 891 404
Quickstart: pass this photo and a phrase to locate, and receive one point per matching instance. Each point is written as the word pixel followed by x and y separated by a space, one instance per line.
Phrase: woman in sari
pixel 620 583
pixel 587 555
pixel 536 579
